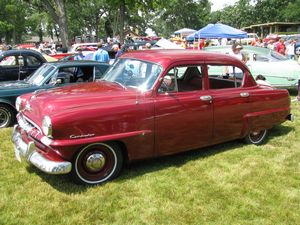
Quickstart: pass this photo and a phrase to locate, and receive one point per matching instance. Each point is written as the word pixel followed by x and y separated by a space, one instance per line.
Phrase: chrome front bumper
pixel 30 153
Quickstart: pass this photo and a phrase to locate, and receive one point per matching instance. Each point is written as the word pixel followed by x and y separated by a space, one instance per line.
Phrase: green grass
pixel 231 183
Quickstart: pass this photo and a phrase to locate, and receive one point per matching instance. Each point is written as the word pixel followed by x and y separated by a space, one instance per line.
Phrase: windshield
pixel 39 76
pixel 133 73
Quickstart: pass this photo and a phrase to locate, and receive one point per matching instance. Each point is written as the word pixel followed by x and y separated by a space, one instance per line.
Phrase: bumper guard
pixel 30 153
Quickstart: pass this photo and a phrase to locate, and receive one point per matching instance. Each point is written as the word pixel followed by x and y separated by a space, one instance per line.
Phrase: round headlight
pixel 47 126
pixel 18 104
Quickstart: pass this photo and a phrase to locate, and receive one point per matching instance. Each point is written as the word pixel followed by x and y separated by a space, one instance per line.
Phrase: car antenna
pixel 19 74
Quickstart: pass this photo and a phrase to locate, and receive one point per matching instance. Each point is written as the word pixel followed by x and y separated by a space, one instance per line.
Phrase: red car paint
pixel 150 124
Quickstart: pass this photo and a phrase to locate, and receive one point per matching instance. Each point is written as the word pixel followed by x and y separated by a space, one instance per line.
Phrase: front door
pixel 183 111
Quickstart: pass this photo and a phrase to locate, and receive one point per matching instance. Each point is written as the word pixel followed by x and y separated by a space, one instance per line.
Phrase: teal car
pixel 278 70
pixel 49 75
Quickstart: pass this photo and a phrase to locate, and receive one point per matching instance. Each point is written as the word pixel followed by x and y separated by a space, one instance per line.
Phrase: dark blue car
pixel 19 64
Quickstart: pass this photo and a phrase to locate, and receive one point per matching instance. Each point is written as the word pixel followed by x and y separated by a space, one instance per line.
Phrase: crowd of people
pixel 285 48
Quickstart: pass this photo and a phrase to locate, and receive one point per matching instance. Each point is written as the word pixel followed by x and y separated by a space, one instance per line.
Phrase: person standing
pixel 290 49
pixel 117 50
pixel 79 55
pixel 101 55
pixel 236 52
pixel 280 47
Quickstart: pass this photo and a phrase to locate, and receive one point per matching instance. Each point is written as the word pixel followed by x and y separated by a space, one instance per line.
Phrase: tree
pixel 57 11
pixel 292 11
pixel 239 15
pixel 12 23
pixel 270 10
pixel 175 14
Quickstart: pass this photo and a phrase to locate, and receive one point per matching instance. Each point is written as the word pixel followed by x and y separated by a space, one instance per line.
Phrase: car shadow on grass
pixel 64 184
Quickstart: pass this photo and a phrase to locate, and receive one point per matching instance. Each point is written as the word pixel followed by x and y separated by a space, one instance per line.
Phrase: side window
pixel 15 60
pixel 9 61
pixel 182 79
pixel 32 61
pixel 84 73
pixel 66 75
pixel 260 58
pixel 224 76
pixel 98 72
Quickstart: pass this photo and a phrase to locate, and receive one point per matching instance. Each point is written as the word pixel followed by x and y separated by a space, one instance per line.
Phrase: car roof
pixel 77 63
pixel 18 51
pixel 166 57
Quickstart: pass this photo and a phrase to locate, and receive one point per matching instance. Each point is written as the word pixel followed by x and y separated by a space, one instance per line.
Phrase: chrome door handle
pixel 244 94
pixel 206 98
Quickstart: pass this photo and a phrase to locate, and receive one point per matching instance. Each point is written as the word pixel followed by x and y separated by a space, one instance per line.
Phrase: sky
pixel 219 4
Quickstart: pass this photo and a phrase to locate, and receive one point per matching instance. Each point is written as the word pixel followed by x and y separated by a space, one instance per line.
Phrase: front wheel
pixel 257 137
pixel 97 163
pixel 6 116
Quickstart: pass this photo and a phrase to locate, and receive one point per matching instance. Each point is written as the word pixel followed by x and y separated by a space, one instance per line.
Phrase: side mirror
pixel 63 78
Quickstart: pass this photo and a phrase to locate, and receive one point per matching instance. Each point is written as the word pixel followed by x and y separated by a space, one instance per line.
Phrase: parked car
pixel 49 75
pixel 19 64
pixel 278 70
pixel 250 38
pixel 149 103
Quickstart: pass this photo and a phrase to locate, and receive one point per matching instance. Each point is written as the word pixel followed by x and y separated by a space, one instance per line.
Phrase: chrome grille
pixel 27 124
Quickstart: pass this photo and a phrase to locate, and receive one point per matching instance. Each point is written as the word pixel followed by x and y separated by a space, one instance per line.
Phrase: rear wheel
pixel 257 137
pixel 6 116
pixel 97 163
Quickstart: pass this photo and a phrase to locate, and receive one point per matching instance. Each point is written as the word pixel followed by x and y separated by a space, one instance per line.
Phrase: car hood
pixel 286 68
pixel 71 99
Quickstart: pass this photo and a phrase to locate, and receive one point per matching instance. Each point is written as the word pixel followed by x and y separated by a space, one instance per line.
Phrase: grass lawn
pixel 231 183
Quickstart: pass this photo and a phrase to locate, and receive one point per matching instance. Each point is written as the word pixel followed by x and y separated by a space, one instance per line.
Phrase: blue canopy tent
pixel 217 30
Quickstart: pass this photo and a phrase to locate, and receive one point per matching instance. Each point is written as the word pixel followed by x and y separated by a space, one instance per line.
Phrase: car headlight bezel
pixel 47 126
pixel 19 104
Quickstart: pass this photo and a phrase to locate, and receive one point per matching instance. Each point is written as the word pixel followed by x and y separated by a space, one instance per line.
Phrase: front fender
pixel 10 102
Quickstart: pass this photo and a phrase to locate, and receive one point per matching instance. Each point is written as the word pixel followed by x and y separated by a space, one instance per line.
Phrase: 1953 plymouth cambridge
pixel 149 104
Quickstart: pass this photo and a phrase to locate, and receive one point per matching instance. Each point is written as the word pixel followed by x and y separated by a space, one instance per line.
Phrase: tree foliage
pixel 12 23
pixel 70 18
pixel 175 14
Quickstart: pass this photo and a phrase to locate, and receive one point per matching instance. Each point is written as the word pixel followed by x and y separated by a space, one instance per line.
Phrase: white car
pixel 250 37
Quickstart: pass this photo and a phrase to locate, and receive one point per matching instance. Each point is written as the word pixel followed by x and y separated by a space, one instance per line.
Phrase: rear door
pixel 230 101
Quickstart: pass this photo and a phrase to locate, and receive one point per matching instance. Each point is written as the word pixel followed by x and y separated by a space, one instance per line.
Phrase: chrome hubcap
pixel 95 162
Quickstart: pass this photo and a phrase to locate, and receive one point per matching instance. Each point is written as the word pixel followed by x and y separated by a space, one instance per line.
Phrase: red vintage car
pixel 149 104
